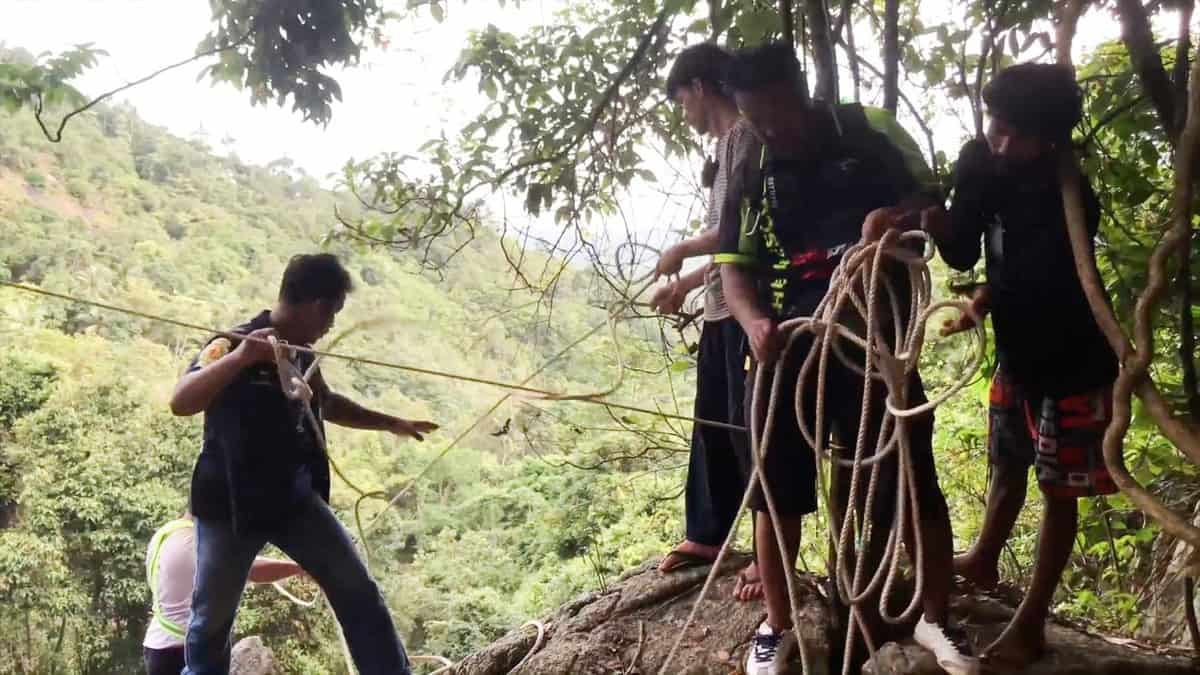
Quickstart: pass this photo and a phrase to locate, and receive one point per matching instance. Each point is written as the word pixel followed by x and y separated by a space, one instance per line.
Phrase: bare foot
pixel 688 554
pixel 749 585
pixel 1022 643
pixel 976 573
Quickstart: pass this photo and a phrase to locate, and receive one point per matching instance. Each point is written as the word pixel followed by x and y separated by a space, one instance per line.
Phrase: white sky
pixel 394 101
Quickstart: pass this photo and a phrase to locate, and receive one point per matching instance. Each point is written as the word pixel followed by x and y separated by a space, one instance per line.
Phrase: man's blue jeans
pixel 317 542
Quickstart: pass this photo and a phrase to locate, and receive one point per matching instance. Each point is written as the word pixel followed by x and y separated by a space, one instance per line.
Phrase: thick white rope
pixel 861 267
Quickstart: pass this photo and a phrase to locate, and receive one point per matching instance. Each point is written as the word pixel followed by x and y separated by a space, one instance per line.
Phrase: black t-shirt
pixel 791 220
pixel 1047 339
pixel 261 459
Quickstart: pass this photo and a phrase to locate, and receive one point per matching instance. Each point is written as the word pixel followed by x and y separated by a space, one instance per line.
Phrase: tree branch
pixel 1182 51
pixel 1109 117
pixel 847 18
pixel 891 54
pixel 606 99
pixel 1187 335
pixel 714 19
pixel 56 137
pixel 824 57
pixel 1069 12
pixel 789 22
pixel 1139 41
pixel 1135 363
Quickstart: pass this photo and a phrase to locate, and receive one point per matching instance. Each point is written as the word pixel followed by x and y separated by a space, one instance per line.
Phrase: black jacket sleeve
pixel 969 210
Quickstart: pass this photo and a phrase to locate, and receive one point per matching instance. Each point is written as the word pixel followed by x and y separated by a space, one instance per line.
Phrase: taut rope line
pixel 594 398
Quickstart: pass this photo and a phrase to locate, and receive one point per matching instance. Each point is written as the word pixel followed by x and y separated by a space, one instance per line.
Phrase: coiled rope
pixel 858 285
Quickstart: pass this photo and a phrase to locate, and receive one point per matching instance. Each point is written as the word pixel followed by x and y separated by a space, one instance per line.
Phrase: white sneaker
pixel 953 655
pixel 766 655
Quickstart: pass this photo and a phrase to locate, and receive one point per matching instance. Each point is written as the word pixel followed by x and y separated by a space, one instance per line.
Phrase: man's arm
pixel 339 410
pixel 268 570
pixel 958 232
pixel 217 368
pixel 672 259
pixel 740 252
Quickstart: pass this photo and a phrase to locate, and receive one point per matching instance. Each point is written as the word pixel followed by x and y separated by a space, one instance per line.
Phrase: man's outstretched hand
pixel 412 428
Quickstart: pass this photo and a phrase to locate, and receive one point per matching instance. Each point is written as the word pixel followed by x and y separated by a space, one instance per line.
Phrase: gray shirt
pixel 728 147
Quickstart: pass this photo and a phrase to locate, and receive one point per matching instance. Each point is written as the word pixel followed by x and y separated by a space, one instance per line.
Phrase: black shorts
pixel 720 385
pixel 790 469
pixel 163 661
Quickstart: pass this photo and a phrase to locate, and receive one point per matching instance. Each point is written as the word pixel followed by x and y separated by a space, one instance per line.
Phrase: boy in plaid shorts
pixel 1051 395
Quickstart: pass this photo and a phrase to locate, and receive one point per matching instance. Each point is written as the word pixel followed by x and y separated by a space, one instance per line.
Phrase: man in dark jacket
pixel 1051 395
pixel 263 477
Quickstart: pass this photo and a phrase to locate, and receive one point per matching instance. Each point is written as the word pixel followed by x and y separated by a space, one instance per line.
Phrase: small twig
pixel 637 655
pixel 1189 610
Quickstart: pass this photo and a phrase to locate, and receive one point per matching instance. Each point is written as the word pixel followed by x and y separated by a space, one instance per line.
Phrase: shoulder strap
pixel 851 119
pixel 156 546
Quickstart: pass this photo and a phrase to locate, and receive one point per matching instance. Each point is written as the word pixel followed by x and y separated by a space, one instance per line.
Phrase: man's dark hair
pixel 1039 99
pixel 318 276
pixel 705 62
pixel 758 67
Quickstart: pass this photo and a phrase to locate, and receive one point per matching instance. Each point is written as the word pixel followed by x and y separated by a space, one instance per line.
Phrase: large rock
pixel 252 657
pixel 630 628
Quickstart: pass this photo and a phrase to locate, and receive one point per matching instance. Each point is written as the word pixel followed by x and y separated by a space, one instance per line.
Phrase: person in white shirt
pixel 171 571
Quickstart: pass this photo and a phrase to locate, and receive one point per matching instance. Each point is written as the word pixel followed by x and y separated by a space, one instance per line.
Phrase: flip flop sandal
pixel 682 560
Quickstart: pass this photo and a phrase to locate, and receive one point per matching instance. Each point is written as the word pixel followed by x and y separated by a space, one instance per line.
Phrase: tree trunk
pixel 891 55
pixel 846 23
pixel 1183 48
pixel 714 19
pixel 789 22
pixel 1068 19
pixel 1147 62
pixel 824 58
pixel 1187 336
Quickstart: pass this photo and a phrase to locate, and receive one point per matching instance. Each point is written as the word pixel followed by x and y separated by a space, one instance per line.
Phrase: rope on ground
pixel 306 604
pixel 856 286
pixel 537 643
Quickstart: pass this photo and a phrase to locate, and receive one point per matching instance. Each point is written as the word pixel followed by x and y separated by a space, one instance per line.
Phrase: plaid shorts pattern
pixel 1060 437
